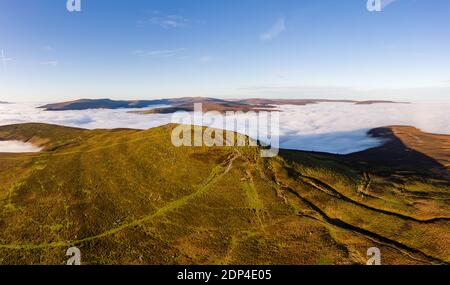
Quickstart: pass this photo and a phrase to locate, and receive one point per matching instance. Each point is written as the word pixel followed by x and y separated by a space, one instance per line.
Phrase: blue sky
pixel 224 48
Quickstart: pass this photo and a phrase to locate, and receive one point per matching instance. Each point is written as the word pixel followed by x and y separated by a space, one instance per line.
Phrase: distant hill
pixel 377 102
pixel 300 102
pixel 131 197
pixel 84 104
pixel 208 104
pixel 187 104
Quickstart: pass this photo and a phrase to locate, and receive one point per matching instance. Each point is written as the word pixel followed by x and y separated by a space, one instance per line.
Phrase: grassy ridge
pixel 131 197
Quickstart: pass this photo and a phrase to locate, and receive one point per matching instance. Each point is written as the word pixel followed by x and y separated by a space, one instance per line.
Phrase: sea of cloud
pixel 17 147
pixel 342 127
pixel 327 127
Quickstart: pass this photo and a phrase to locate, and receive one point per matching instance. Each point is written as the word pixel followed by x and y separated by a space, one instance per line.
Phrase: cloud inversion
pixel 328 127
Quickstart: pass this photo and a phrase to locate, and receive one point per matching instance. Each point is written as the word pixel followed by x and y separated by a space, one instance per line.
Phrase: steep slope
pixel 131 197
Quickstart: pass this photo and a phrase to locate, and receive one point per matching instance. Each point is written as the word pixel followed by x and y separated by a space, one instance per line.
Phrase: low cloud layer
pixel 342 127
pixel 17 147
pixel 328 127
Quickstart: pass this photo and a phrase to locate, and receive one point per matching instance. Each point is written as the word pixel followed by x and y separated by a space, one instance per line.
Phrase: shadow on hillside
pixel 395 156
pixel 390 156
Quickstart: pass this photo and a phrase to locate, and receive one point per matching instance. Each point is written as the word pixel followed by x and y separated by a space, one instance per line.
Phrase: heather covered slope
pixel 131 197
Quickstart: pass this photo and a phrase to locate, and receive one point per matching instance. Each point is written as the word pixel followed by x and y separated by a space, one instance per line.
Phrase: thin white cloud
pixel 17 147
pixel 287 73
pixel 385 3
pixel 277 28
pixel 208 58
pixel 52 63
pixel 48 48
pixel 165 21
pixel 158 53
pixel 418 54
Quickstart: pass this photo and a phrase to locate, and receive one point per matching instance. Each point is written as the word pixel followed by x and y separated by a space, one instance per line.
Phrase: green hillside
pixel 131 197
